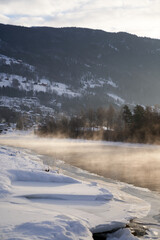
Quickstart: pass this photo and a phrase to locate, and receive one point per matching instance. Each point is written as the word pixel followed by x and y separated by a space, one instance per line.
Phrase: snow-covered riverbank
pixel 66 202
pixel 35 204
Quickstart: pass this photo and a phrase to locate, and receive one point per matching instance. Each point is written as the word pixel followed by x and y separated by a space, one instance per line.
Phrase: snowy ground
pixel 35 204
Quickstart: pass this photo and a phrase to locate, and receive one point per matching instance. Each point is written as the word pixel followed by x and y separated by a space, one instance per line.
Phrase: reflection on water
pixel 135 164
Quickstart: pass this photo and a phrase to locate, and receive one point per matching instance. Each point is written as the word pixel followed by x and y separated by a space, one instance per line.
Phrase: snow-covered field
pixel 36 204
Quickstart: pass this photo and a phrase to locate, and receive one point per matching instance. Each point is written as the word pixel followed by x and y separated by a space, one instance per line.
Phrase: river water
pixel 137 164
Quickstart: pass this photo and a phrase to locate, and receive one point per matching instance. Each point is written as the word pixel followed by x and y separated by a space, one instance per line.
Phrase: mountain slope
pixel 73 68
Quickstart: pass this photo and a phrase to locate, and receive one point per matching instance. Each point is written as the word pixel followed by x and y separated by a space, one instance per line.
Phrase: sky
pixel 140 17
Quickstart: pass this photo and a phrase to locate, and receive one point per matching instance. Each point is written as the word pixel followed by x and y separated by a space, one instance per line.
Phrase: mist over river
pixel 137 164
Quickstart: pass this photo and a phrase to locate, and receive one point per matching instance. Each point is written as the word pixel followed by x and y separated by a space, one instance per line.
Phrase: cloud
pixel 138 17
pixel 4 18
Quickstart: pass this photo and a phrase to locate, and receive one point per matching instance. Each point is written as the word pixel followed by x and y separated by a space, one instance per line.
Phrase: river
pixel 137 164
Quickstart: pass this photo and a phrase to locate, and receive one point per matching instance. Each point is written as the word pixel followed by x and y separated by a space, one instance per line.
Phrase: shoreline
pixel 89 177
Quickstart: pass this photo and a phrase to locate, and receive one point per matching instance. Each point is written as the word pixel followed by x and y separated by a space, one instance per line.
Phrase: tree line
pixel 139 124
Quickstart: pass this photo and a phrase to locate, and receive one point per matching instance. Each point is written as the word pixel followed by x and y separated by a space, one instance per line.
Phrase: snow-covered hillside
pixel 42 85
pixel 30 106
pixel 11 61
pixel 78 68
pixel 25 90
pixel 88 82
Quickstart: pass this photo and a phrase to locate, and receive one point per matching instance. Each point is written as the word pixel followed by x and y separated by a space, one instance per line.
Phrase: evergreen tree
pixel 138 116
pixel 127 115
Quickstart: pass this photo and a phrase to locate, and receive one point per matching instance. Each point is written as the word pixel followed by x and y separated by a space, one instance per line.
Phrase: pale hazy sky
pixel 140 17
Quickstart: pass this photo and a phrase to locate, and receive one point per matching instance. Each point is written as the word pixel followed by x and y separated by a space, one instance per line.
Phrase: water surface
pixel 137 165
pixel 131 163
